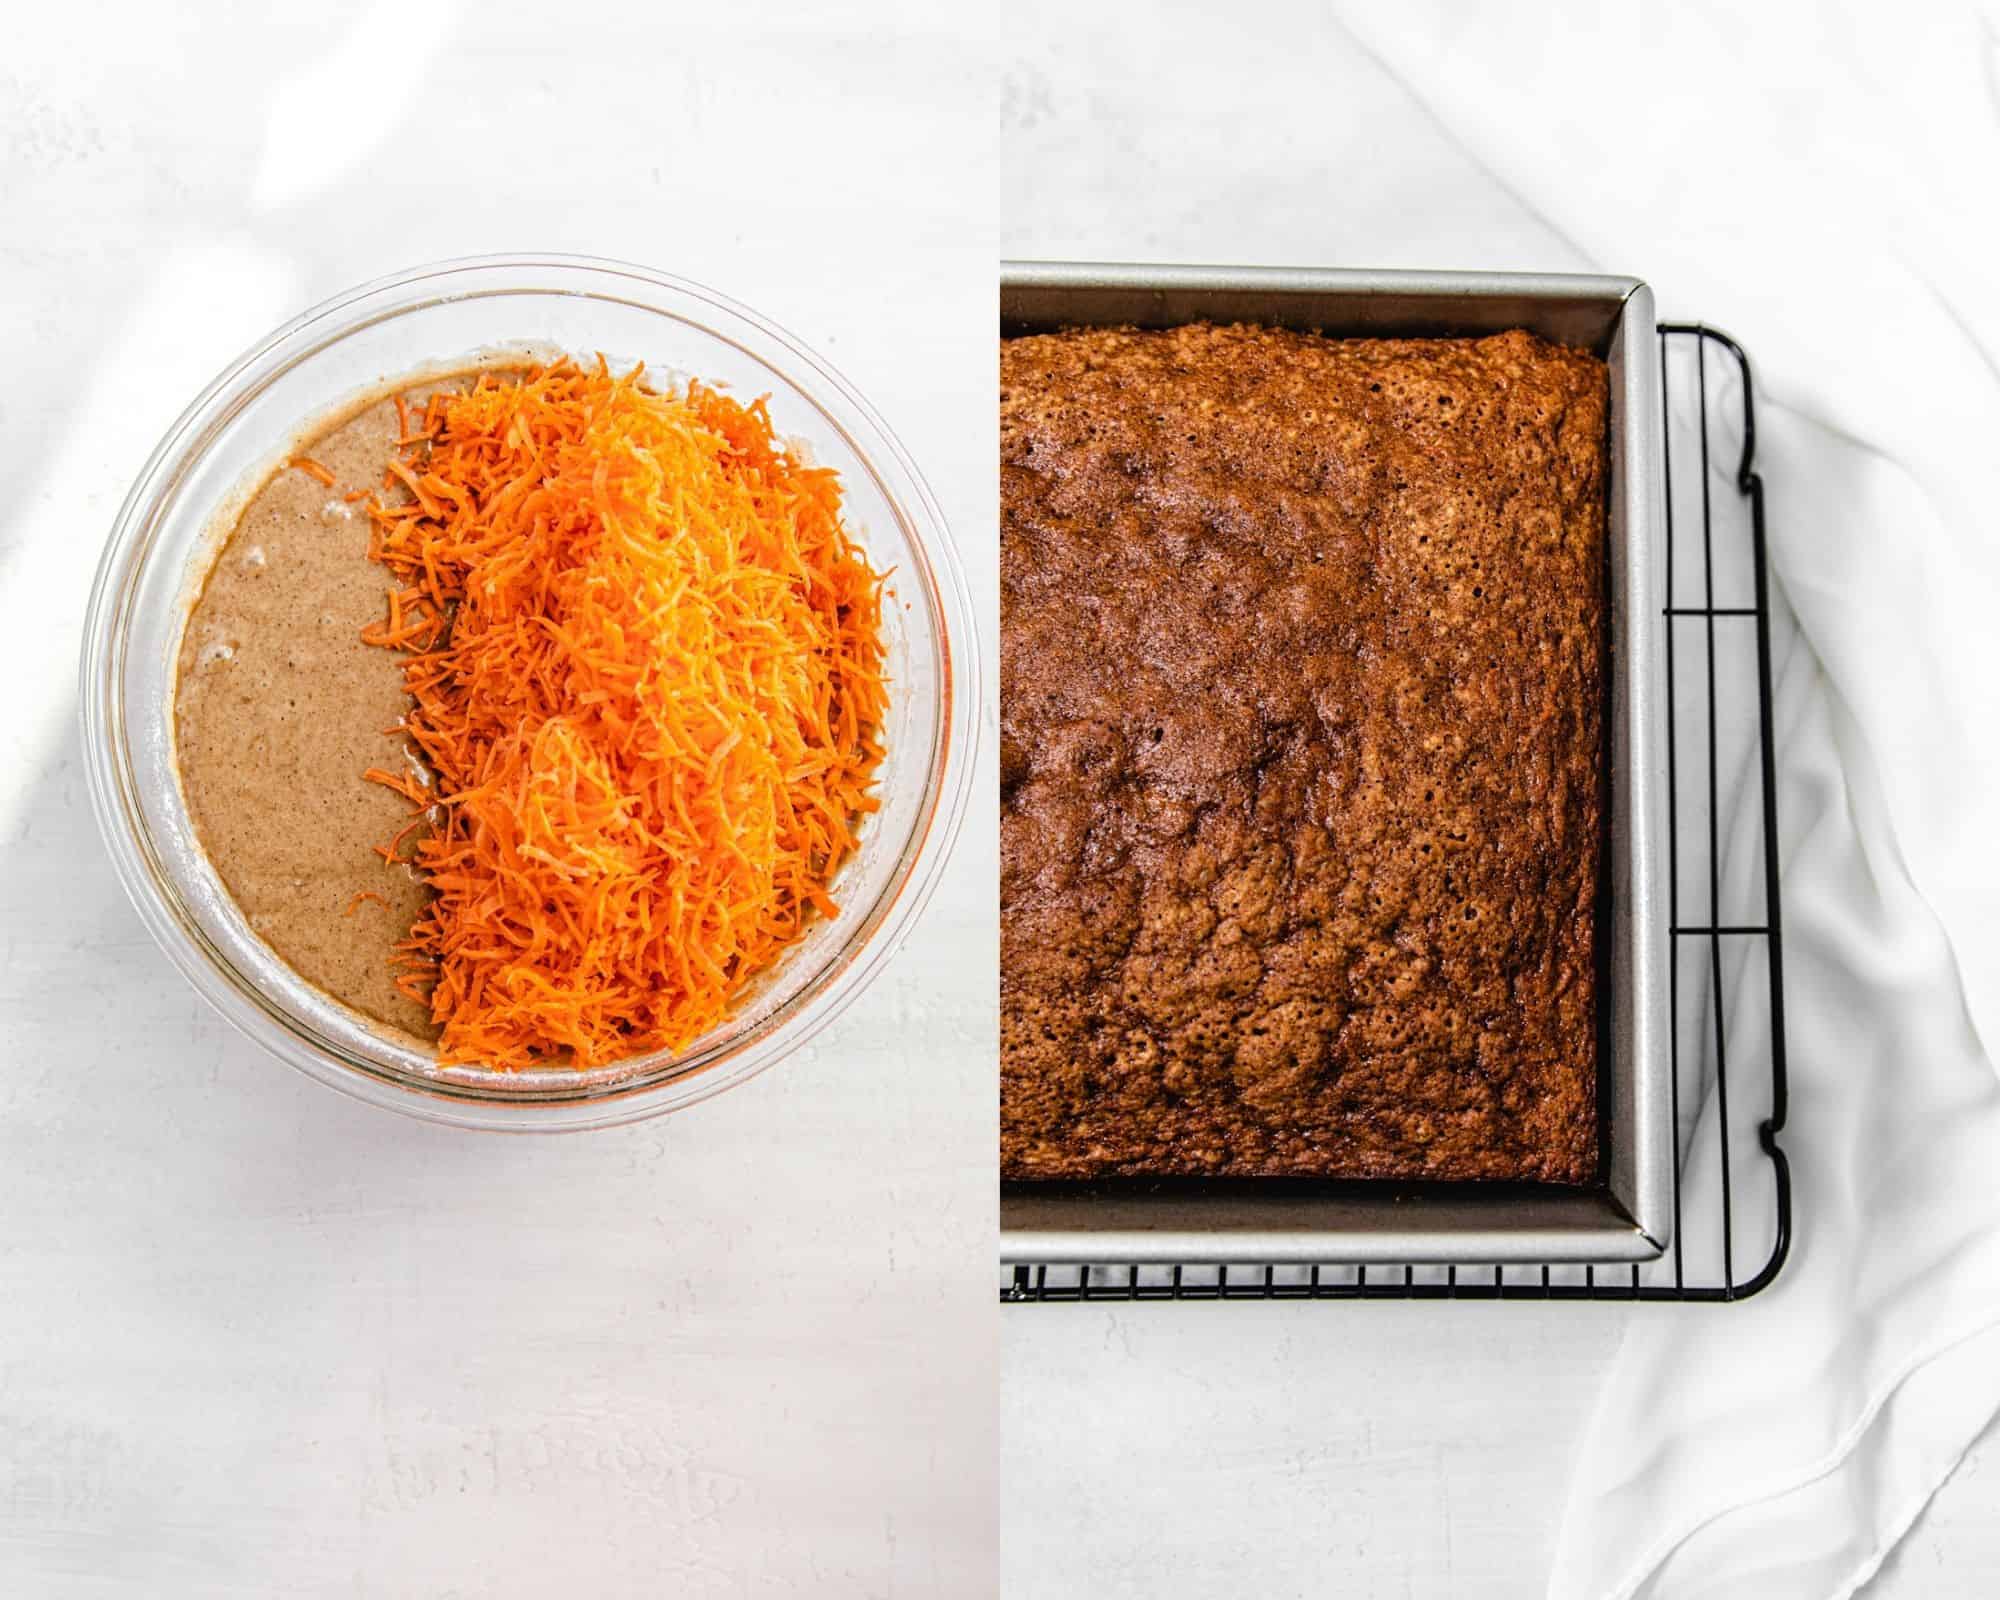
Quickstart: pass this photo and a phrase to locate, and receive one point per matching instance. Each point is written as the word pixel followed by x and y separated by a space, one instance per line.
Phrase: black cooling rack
pixel 1732 1183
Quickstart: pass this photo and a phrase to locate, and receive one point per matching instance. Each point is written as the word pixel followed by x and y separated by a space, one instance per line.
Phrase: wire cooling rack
pixel 1732 1183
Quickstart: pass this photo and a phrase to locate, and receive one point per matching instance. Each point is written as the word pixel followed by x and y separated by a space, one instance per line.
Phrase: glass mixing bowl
pixel 430 317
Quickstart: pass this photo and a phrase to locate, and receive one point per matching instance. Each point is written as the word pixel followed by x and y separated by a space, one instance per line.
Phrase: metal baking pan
pixel 1630 1216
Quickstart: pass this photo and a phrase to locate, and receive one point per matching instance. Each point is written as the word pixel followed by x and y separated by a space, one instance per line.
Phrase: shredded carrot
pixel 354 905
pixel 645 666
pixel 312 469
pixel 405 784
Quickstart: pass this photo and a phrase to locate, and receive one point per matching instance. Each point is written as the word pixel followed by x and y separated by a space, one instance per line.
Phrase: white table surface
pixel 254 1338
pixel 1281 1450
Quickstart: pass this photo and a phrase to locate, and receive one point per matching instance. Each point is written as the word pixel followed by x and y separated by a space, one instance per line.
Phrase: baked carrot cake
pixel 1302 659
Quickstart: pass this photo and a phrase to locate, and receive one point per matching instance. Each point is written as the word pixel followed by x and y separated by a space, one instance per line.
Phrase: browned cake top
pixel 1301 664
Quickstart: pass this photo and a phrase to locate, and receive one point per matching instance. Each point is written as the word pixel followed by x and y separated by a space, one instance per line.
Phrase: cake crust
pixel 1302 662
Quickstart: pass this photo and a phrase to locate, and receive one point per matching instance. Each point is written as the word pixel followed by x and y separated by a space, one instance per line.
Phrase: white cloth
pixel 1821 182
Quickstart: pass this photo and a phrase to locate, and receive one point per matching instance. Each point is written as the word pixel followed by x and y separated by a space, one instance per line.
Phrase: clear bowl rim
pixel 478 1101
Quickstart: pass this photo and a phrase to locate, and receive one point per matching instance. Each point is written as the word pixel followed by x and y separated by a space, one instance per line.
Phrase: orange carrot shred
pixel 405 784
pixel 645 666
pixel 312 469
pixel 354 905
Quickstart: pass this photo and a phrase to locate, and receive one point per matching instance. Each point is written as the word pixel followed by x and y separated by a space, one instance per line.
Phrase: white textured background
pixel 1331 1450
pixel 255 1339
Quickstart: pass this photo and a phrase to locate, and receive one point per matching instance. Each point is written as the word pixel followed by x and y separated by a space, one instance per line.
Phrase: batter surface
pixel 280 708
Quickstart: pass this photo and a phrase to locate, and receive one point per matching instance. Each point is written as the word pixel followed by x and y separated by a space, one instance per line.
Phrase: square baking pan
pixel 1629 1215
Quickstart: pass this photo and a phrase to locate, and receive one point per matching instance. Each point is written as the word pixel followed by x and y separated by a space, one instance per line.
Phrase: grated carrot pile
pixel 645 666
